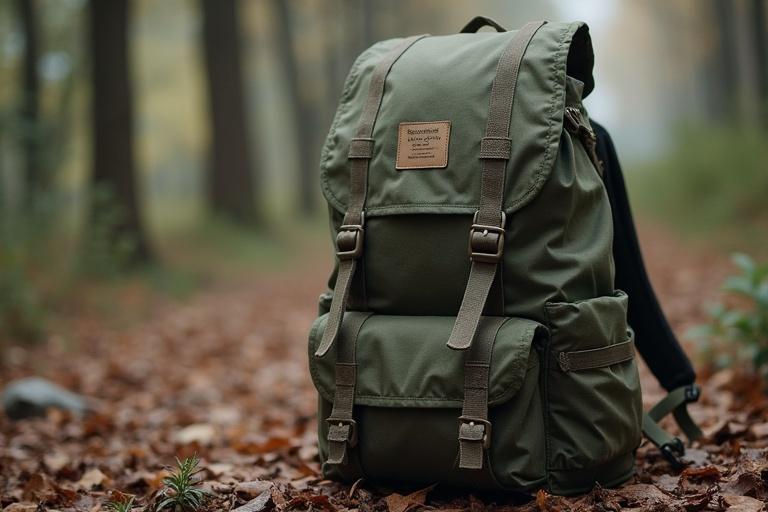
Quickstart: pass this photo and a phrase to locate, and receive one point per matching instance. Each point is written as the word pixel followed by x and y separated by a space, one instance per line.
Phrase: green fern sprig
pixel 120 506
pixel 182 491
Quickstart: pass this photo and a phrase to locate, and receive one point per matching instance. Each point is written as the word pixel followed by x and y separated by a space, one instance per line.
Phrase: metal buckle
pixel 672 451
pixel 692 393
pixel 346 253
pixel 352 436
pixel 486 425
pixel 487 257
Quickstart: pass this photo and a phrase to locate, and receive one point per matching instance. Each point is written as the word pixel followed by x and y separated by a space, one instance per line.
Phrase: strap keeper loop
pixel 361 147
pixel 495 148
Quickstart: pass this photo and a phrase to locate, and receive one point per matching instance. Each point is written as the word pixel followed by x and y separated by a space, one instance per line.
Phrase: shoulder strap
pixel 654 338
pixel 486 237
pixel 349 240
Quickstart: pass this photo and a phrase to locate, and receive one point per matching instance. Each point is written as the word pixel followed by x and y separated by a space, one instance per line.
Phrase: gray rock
pixel 30 397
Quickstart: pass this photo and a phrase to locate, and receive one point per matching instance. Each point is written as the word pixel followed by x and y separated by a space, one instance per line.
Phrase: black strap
pixel 653 336
pixel 479 22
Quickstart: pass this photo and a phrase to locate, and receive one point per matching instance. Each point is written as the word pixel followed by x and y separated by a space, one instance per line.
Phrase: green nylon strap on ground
pixel 657 435
pixel 358 187
pixel 675 402
pixel 481 273
pixel 474 429
pixel 341 434
pixel 597 357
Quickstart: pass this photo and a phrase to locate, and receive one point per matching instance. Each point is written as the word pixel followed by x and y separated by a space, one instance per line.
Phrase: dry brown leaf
pixel 200 433
pixel 21 507
pixel 253 488
pixel 314 501
pixel 742 503
pixel 705 474
pixel 399 503
pixel 56 461
pixel 550 503
pixel 91 479
pixel 759 430
pixel 257 504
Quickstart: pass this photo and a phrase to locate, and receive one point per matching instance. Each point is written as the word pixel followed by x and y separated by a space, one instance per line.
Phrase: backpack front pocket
pixel 593 393
pixel 408 398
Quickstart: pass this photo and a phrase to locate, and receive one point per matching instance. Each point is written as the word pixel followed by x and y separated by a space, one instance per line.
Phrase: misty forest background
pixel 153 148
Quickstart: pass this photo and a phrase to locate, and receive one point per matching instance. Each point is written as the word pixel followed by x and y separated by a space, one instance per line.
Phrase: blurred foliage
pixel 712 182
pixel 105 251
pixel 738 331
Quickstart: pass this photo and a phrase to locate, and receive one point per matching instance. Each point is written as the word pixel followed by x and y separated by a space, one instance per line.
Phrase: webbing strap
pixel 597 357
pixel 474 427
pixel 486 238
pixel 349 241
pixel 676 402
pixel 342 429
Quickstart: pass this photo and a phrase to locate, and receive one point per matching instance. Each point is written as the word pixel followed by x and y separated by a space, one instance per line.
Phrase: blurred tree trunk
pixel 114 178
pixel 723 73
pixel 304 118
pixel 30 104
pixel 231 179
pixel 759 21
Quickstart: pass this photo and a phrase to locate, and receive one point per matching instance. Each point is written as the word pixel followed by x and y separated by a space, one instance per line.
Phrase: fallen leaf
pixel 91 479
pixel 759 430
pixel 21 507
pixel 399 503
pixel 219 469
pixel 320 501
pixel 257 504
pixel 254 488
pixel 742 503
pixel 550 503
pixel 707 473
pixel 200 433
pixel 55 461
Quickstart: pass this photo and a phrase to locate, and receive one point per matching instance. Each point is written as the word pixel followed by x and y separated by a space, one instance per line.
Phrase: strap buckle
pixel 673 451
pixel 692 393
pixel 351 429
pixel 469 432
pixel 486 243
pixel 349 240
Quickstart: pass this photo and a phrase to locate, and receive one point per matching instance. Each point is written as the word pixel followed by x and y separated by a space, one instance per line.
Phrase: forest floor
pixel 224 375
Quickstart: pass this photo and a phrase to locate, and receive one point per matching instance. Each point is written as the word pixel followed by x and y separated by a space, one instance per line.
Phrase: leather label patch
pixel 423 145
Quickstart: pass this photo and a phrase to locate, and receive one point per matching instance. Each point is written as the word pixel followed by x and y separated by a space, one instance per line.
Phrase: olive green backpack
pixel 474 336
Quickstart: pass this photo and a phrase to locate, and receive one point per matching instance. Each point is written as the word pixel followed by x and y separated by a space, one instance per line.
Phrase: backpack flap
pixel 442 84
pixel 409 396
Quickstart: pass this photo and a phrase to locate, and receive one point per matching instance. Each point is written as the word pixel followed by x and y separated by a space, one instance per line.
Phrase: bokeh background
pixel 150 150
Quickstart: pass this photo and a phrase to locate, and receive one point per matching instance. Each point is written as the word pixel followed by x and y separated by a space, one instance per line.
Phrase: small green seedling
pixel 125 505
pixel 182 491
pixel 740 332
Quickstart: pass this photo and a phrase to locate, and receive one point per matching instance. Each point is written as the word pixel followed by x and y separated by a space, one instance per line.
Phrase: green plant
pixel 743 325
pixel 124 505
pixel 182 491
